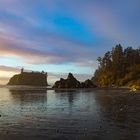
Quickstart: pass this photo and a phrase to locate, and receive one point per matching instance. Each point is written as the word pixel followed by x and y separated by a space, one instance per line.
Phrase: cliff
pixel 29 78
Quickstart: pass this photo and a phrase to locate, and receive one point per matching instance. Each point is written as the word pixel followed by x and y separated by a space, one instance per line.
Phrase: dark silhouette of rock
pixel 60 84
pixel 70 82
pixel 88 84
pixel 29 78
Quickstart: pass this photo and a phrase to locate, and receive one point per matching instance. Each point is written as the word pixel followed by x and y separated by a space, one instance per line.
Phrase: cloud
pixel 108 19
pixel 87 63
pixel 66 31
pixel 55 49
pixel 101 17
pixel 9 69
pixel 14 47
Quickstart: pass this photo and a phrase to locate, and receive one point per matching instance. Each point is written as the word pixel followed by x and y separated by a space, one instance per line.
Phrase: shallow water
pixel 69 115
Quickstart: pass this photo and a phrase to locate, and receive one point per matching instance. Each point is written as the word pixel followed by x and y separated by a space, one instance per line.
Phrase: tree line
pixel 118 67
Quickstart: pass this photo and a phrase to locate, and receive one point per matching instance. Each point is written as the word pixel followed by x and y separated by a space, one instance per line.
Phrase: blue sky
pixel 61 36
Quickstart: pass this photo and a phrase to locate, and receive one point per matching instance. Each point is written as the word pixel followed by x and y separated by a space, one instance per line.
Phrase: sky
pixel 62 36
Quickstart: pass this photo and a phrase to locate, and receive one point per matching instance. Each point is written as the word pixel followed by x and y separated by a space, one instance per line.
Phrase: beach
pixel 68 114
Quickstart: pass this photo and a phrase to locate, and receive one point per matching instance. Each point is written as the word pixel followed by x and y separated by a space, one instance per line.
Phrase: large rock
pixel 88 84
pixel 70 82
pixel 29 78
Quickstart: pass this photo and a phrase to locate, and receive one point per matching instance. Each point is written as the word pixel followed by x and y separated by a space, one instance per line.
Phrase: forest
pixel 118 67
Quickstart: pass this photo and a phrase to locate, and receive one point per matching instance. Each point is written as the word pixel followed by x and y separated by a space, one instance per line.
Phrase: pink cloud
pixel 9 69
pixel 10 48
pixel 32 53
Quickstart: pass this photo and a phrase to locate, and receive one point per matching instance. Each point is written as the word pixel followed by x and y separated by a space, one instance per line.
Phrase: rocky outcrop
pixel 88 84
pixel 29 78
pixel 72 82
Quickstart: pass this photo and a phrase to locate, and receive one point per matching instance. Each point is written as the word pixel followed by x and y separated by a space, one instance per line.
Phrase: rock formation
pixel 72 82
pixel 29 78
pixel 88 84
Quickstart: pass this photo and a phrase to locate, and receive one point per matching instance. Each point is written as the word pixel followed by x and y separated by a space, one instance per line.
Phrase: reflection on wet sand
pixel 70 94
pixel 121 112
pixel 29 95
pixel 69 115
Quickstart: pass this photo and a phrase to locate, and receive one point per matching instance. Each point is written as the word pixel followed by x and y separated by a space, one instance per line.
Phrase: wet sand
pixel 69 115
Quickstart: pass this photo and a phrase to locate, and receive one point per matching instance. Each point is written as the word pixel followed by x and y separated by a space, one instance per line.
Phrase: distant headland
pixel 29 78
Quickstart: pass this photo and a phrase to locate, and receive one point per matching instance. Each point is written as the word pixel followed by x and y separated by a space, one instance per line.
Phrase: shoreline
pixel 22 87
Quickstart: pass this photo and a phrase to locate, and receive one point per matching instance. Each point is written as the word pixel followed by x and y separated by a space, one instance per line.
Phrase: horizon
pixel 61 36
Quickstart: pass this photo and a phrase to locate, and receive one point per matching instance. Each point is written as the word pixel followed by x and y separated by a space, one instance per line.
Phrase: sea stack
pixel 70 82
pixel 29 79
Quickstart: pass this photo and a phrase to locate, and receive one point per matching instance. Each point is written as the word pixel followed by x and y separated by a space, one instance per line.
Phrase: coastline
pixel 23 87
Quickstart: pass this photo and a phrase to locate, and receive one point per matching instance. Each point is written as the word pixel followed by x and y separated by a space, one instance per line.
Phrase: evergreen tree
pixel 118 67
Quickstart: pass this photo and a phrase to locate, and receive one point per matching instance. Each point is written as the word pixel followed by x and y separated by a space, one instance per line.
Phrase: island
pixel 29 79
